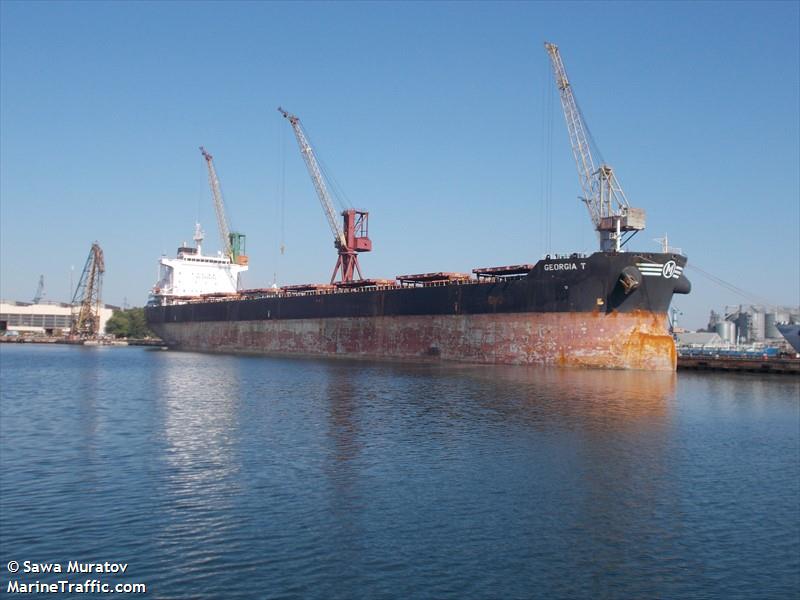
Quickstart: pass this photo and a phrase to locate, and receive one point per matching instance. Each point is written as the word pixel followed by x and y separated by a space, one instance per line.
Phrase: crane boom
pixel 349 239
pixel 316 178
pixel 219 204
pixel 232 242
pixel 608 207
pixel 86 301
pixel 39 291
pixel 575 127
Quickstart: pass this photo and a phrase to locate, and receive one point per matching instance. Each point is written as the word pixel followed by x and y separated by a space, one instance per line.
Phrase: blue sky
pixel 433 116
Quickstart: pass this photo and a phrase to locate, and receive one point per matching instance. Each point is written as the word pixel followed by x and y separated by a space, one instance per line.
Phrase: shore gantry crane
pixel 233 243
pixel 352 237
pixel 612 216
pixel 86 301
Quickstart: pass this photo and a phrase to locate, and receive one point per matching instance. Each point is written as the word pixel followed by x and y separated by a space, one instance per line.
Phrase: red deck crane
pixel 352 237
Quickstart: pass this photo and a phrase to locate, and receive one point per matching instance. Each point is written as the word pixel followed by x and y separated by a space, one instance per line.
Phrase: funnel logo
pixel 669 269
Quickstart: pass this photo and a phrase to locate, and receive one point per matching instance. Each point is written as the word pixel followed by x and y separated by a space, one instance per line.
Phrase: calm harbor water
pixel 254 477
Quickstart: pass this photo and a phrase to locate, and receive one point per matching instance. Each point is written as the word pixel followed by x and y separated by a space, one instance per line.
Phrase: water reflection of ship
pixel 200 422
pixel 539 396
pixel 553 442
pixel 565 441
pixel 343 426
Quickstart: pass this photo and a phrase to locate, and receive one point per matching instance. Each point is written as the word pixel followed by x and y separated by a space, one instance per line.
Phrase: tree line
pixel 129 323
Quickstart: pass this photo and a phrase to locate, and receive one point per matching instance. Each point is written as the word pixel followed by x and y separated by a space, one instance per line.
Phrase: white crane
pixel 609 210
pixel 352 237
pixel 316 176
pixel 232 242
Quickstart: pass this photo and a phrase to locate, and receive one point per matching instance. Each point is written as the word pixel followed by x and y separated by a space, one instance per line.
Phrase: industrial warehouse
pixel 42 318
pixel 84 319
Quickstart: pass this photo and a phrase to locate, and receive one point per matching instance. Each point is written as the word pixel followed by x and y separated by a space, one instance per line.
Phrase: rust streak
pixel 637 340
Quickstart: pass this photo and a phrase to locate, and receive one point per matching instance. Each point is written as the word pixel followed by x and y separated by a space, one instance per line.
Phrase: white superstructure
pixel 193 274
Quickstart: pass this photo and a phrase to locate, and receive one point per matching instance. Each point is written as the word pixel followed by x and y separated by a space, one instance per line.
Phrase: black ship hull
pixel 604 310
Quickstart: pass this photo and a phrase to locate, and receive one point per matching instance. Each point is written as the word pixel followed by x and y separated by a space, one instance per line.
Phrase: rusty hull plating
pixel 637 340
pixel 607 310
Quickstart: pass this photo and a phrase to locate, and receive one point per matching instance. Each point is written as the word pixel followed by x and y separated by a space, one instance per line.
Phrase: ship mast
pixel 198 238
pixel 608 207
pixel 351 238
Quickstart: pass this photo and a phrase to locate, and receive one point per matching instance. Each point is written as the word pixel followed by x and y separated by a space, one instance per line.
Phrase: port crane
pixel 352 237
pixel 86 302
pixel 39 291
pixel 233 243
pixel 613 218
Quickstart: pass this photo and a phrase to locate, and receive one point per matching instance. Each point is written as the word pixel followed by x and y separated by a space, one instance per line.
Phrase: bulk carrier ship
pixel 607 309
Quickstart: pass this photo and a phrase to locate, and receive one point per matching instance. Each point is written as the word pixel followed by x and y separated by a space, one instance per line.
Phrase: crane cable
pixel 336 190
pixel 729 286
pixel 546 199
pixel 282 193
pixel 595 149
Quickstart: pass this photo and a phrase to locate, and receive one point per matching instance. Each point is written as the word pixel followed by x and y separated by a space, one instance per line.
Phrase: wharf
pixel 61 340
pixel 786 366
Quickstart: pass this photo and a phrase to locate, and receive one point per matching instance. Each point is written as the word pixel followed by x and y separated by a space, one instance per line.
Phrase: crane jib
pixel 608 207
pixel 349 239
pixel 232 243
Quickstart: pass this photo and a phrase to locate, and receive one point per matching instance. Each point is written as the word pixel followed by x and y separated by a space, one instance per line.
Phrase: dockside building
pixel 43 318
